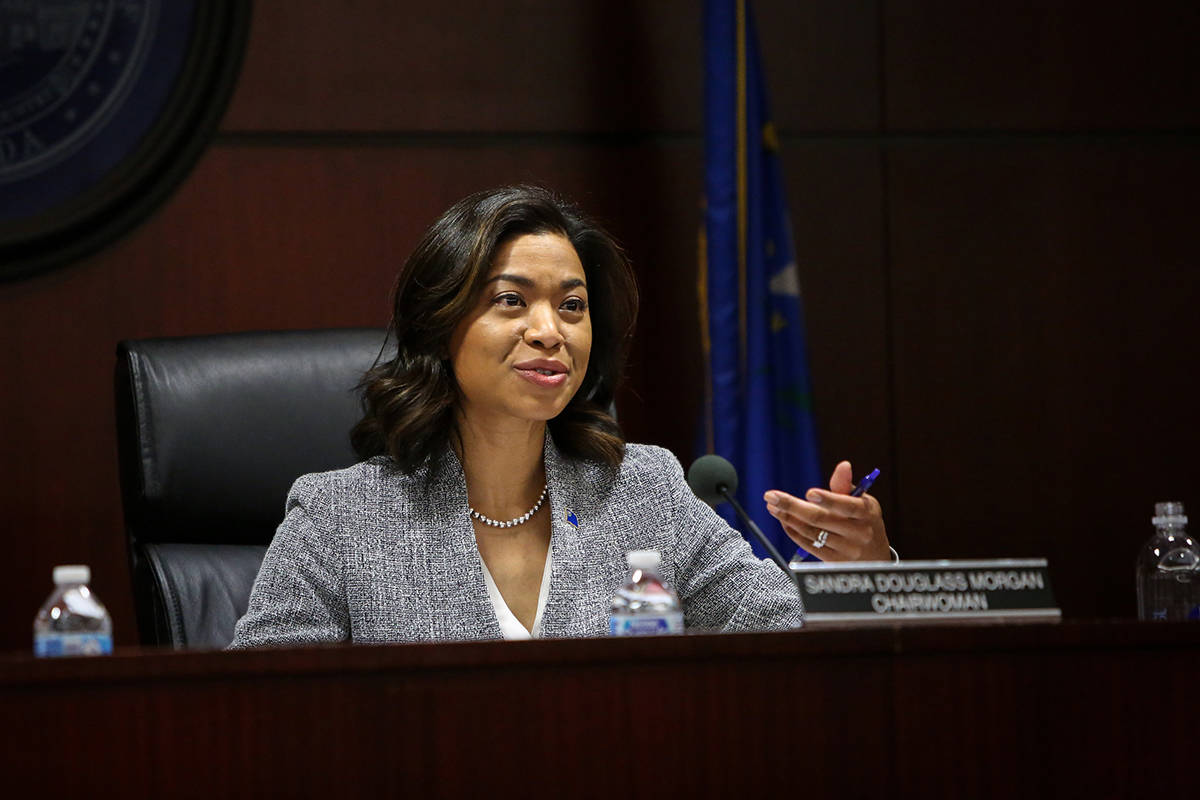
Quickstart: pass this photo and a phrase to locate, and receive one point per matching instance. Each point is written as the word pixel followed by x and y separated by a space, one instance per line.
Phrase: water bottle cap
pixel 72 573
pixel 643 559
pixel 1168 514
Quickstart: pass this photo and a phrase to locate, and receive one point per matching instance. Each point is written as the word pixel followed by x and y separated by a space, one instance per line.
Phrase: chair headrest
pixel 214 429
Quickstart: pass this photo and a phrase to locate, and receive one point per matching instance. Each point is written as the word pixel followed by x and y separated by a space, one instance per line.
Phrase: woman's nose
pixel 543 327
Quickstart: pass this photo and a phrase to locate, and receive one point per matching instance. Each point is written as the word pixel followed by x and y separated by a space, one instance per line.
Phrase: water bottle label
pixel 52 645
pixel 629 625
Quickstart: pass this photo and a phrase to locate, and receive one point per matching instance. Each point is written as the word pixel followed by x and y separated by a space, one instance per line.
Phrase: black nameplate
pixel 878 591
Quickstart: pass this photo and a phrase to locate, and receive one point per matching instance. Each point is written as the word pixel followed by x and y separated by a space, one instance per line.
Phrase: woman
pixel 498 498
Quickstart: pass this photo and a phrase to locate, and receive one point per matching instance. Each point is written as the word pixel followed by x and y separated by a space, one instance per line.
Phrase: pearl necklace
pixel 519 520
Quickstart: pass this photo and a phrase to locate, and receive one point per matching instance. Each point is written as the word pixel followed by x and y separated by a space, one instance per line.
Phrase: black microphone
pixel 714 480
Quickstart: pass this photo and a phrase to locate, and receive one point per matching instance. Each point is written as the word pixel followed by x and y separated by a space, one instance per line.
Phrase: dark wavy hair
pixel 409 401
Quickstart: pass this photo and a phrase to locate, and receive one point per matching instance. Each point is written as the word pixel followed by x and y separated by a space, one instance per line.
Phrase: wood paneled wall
pixel 993 208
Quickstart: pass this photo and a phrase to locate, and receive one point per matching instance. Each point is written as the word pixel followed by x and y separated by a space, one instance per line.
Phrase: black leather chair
pixel 211 432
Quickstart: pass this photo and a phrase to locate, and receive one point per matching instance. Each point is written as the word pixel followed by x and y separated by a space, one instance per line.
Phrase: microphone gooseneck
pixel 714 480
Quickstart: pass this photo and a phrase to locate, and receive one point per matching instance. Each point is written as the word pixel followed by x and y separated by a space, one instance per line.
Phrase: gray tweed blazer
pixel 370 554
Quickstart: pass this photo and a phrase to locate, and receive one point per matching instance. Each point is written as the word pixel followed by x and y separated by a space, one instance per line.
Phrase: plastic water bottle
pixel 1168 568
pixel 645 605
pixel 72 622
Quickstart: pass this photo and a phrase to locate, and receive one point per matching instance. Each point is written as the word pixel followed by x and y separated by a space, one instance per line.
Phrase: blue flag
pixel 758 401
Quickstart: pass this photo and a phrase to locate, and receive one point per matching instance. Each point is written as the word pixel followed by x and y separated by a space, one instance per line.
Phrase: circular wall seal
pixel 105 106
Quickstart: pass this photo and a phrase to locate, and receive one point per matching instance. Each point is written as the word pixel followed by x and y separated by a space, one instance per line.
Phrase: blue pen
pixel 865 483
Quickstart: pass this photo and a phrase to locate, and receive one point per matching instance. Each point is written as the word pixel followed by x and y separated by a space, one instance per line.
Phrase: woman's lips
pixel 539 379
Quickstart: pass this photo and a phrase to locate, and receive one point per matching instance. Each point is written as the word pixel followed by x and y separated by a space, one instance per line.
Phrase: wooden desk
pixel 1073 709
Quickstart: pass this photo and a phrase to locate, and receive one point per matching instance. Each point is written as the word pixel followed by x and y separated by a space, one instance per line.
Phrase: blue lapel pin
pixel 571 518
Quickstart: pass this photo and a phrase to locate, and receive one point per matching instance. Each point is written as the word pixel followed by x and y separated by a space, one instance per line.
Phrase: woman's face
pixel 523 350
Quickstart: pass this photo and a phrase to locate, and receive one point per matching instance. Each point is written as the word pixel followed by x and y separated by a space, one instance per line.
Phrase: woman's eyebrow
pixel 521 280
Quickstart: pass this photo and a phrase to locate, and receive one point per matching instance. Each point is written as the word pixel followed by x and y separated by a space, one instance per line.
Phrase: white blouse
pixel 510 626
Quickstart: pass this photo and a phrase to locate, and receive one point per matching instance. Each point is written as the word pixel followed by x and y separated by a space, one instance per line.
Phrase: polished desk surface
pixel 1101 708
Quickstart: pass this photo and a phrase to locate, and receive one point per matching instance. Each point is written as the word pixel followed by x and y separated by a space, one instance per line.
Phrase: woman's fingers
pixel 853 526
pixel 834 546
pixel 804 522
pixel 844 504
pixel 842 515
pixel 842 479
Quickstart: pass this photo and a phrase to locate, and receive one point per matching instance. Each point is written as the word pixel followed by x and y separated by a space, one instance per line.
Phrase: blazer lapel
pixel 573 607
pixel 459 604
